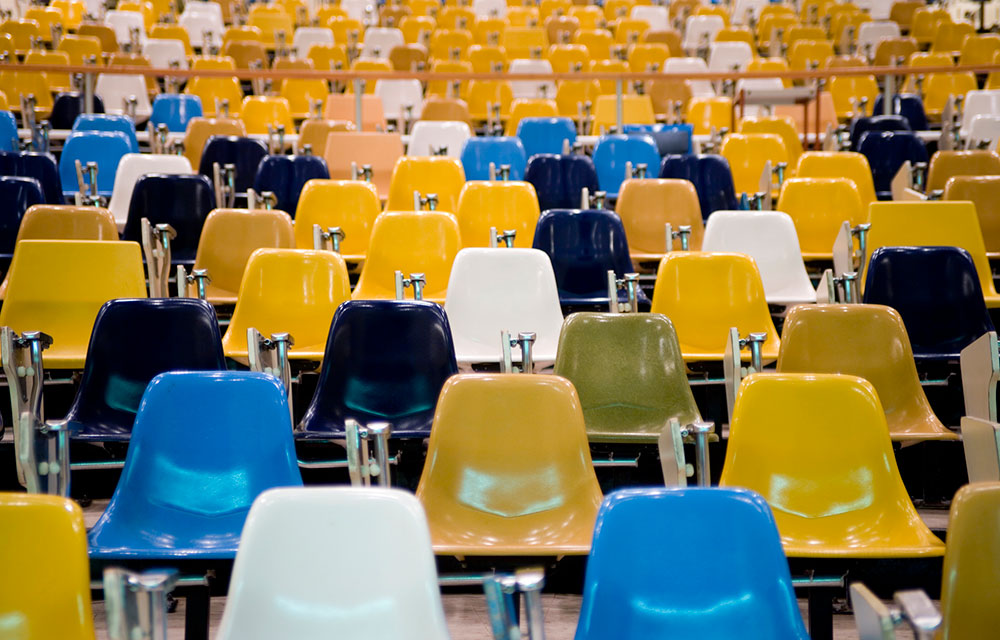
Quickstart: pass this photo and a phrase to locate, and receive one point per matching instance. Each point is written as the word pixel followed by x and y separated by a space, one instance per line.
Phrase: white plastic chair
pixel 870 33
pixel 372 573
pixel 200 8
pixel 984 128
pixel 115 89
pixel 397 95
pixel 769 238
pixel 877 9
pixel 691 65
pixel 729 56
pixel 490 8
pixel 700 31
pixel 531 88
pixel 976 103
pixel 494 290
pixel 200 24
pixel 123 22
pixel 658 18
pixel 358 8
pixel 306 37
pixel 379 41
pixel 429 135
pixel 132 167
pixel 743 8
pixel 164 52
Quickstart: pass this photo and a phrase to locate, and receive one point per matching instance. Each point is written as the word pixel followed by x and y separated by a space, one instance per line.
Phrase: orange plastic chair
pixel 945 165
pixel 647 206
pixel 379 150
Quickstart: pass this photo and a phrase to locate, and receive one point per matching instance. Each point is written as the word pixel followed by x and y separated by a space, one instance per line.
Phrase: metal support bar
pixel 506 237
pixel 361 466
pixel 156 246
pixel 199 277
pixel 523 341
pixel 416 280
pixel 683 233
pixel 630 283
pixel 136 603
pixel 270 356
pixel 328 240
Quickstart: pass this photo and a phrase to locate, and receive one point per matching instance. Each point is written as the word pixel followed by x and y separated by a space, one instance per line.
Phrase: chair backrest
pixel 44 555
pixel 40 166
pixel 285 176
pixel 134 166
pixel 398 95
pixel 977 103
pixel 479 153
pixel 116 90
pixel 868 341
pixel 20 194
pixel 646 206
pixel 67 222
pixel 183 201
pixel 747 154
pixel 441 175
pixel 245 153
pixel 106 148
pixel 351 205
pixel 67 106
pixel 818 207
pixel 669 138
pixel 108 122
pixel 503 205
pixel 806 463
pixel 175 110
pixel 629 373
pixel 634 563
pixel 710 175
pixel 614 152
pixel 545 135
pixel 199 130
pixel 861 126
pixel 412 339
pixel 908 105
pixel 946 164
pixel 242 427
pixel 427 138
pixel 288 291
pixel 559 179
pixel 522 501
pixel 380 150
pixel 705 294
pixel 843 164
pixel 58 286
pixel 133 341
pixel 984 191
pixel 886 152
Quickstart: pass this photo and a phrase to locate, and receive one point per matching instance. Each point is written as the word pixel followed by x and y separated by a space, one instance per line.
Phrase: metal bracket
pixel 328 240
pixel 420 202
pixel 136 603
pixel 270 356
pixel 198 277
pixel 364 174
pixel 276 139
pixel 500 591
pixel 87 194
pixel 732 363
pixel 506 237
pixel 503 172
pixel 224 181
pixel 524 341
pixel 846 288
pixel 40 136
pixel 266 200
pixel 676 470
pixel 416 280
pixel 630 283
pixel 635 172
pixel 156 247
pixel 861 253
pixel 683 233
pixel 361 466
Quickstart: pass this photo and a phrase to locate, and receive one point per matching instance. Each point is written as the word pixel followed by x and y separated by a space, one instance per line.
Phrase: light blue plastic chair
pixel 175 110
pixel 644 580
pixel 478 153
pixel 108 122
pixel 545 135
pixel 9 140
pixel 204 446
pixel 613 152
pixel 106 148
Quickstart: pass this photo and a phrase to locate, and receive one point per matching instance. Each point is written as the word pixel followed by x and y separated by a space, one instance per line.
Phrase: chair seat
pixel 416 426
pixel 220 549
pixel 624 423
pixel 769 353
pixel 88 432
pixel 477 352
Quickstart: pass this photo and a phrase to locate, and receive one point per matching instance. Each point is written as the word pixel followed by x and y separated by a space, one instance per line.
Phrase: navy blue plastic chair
pixel 559 180
pixel 478 153
pixel 181 200
pixel 583 246
pixel 108 122
pixel 286 175
pixel 545 135
pixel 639 586
pixel 861 126
pixel 670 138
pixel 204 446
pixel 106 148
pixel 175 110
pixel 711 176
pixel 886 152
pixel 245 153
pixel 17 194
pixel 68 105
pixel 937 293
pixel 908 105
pixel 9 139
pixel 40 166
pixel 614 152
pixel 385 360
pixel 133 341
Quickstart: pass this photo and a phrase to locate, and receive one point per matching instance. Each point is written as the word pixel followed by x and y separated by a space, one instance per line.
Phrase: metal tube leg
pixel 197 612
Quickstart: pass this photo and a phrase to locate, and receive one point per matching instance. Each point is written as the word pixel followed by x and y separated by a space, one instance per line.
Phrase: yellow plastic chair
pixel 597 41
pixel 560 29
pixel 46 593
pixel 647 57
pixel 47 18
pixel 949 37
pixel 932 224
pixel 368 65
pixel 571 95
pixel 81 48
pixel 417 29
pixel 706 294
pixel 213 62
pixel 172 32
pixel 18 84
pixel 143 8
pixel 199 130
pixel 314 131
pixel 818 207
pixel 848 93
pixel 868 341
pixel 487 58
pixel 523 16
pixel 816 446
pixel 669 37
pixel 453 17
pixel 228 239
pixel 72 12
pixel 769 24
pixel 925 24
pixel 262 112
pixel 524 42
pixel 449 88
pixel 636 110
pixel 22 31
pixel 441 175
pixel 548 8
pixel 771 64
pixel 450 44
pixel 288 291
pixel 104 33
pixel 302 96
pixel 485 493
pixel 615 10
pixel 328 57
pixel 510 205
pixel 380 150
pixel 213 90
pixel 57 81
pixel 608 87
pixel 590 16
pixel 629 31
pixel 565 58
pixel 710 112
pixel 271 25
pixel 778 125
pixel 58 286
pixel 351 205
pixel 488 31
pixel 979 49
pixel 747 154
pixel 805 54
pixel 945 165
pixel 667 94
pixel 737 34
pixel 412 242
pixel 894 49
pixel 984 192
pixel 842 164
pixel 646 206
pixel 529 108
pixel 425 7
pixel 939 88
pixel 243 33
pixel 445 110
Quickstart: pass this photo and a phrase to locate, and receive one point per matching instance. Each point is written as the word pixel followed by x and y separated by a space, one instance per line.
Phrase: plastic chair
pixel 629 373
pixel 245 153
pixel 58 286
pixel 400 96
pixel 166 52
pixel 307 37
pixel 636 109
pixel 411 339
pixel 669 138
pixel 818 207
pixel 769 238
pixel 781 126
pixel 18 195
pixel 806 464
pixel 503 205
pixel 843 164
pixel 134 166
pixel 909 106
pixel 530 88
pixel 199 130
pixel 428 138
pixel 706 294
pixel 160 509
pixel 502 290
pixel 978 103
pixel 559 179
pixel 747 154
pixel 945 164
pixel 44 556
pixel 175 111
pixel 121 361
pixel 40 166
pixel 116 90
pixel 613 153
pixel 213 91
pixel 861 126
pixel 511 510
pixel 106 148
pixel 710 175
pixel 479 153
pixel 646 206
pixel 918 224
pixel 412 242
pixel 637 586
pixel 182 201
pixel 583 246
pixel 285 176
pixel 108 122
pixel 380 150
pixel 67 106
pixel 409 605
pixel 351 205
pixel 984 192
pixel 341 107
pixel 886 152
pixel 439 175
